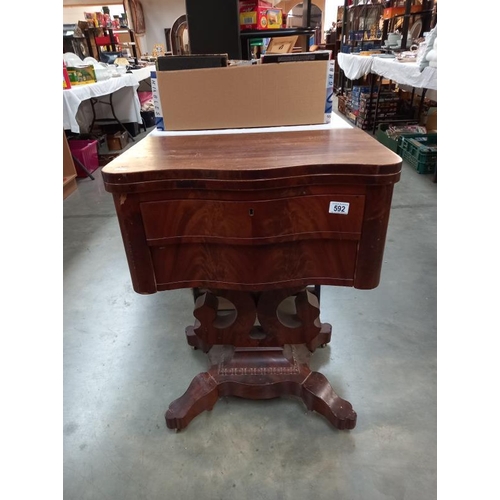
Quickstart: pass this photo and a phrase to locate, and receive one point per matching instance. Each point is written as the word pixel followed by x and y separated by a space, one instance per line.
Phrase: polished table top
pixel 242 157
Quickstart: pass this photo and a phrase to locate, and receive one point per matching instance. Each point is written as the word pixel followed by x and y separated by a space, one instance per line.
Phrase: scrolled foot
pixel 201 395
pixel 318 395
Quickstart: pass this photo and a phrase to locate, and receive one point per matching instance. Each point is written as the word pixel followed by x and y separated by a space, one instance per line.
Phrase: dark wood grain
pixel 266 373
pixel 246 218
pixel 240 157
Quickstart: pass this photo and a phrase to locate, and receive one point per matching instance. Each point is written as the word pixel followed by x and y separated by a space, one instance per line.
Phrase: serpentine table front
pixel 256 219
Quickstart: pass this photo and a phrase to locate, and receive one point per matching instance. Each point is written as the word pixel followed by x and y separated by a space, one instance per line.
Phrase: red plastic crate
pixel 86 152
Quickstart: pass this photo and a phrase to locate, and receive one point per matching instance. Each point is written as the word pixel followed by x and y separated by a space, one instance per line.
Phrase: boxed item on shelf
pixel 261 95
pixel 391 12
pixel 341 100
pixel 259 15
pixel 351 117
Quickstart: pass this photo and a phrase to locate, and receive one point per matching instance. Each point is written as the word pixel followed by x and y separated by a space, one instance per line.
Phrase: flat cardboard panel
pixel 262 95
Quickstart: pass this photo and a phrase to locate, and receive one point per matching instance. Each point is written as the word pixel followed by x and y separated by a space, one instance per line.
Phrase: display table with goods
pixel 354 66
pixel 374 107
pixel 122 103
pixel 258 220
pixel 404 73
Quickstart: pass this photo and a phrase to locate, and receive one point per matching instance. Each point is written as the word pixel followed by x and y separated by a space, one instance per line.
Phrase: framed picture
pixel 281 45
pixel 137 17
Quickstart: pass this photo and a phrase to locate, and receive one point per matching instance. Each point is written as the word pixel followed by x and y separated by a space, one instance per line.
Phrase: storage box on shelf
pixel 341 100
pixel 387 108
pixel 259 15
pixel 392 12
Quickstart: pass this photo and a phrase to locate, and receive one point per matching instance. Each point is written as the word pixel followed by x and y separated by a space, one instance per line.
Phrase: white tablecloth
pixel 405 73
pixel 408 73
pixel 77 111
pixel 354 66
pixel 143 73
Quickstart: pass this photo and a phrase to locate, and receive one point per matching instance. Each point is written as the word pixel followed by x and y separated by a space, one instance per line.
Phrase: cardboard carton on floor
pixel 431 122
pixel 261 95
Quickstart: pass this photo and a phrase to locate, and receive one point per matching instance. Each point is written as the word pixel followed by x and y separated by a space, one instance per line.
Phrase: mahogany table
pixel 255 220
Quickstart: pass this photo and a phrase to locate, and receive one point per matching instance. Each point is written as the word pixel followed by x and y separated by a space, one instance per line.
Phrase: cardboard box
pixel 431 122
pixel 258 15
pixel 156 102
pixel 117 141
pixel 391 12
pixel 261 95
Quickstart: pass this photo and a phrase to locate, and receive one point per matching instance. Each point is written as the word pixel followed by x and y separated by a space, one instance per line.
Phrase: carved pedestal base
pixel 250 357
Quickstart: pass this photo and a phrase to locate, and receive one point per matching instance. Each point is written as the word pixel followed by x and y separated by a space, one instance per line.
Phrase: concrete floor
pixel 126 359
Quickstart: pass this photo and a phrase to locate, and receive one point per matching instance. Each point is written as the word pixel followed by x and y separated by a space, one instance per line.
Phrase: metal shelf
pixel 275 33
pixel 246 36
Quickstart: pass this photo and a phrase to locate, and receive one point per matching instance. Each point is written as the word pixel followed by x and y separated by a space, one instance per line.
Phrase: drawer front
pixel 328 262
pixel 208 220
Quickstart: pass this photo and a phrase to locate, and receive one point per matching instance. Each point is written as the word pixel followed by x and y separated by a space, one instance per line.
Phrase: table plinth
pixel 253 362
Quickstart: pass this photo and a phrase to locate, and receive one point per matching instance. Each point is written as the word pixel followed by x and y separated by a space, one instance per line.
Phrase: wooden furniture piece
pixel 255 220
pixel 69 170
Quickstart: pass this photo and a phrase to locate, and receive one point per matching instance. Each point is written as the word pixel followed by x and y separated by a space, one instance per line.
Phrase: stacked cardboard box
pixel 387 108
pixel 354 102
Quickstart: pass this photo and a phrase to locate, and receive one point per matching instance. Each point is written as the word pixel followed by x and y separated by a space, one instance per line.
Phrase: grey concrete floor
pixel 126 359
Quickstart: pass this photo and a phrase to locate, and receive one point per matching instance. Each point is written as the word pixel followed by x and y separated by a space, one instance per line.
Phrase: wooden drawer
pixel 329 262
pixel 239 222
